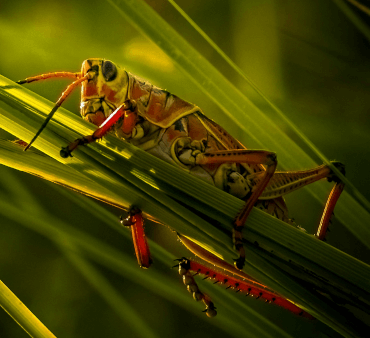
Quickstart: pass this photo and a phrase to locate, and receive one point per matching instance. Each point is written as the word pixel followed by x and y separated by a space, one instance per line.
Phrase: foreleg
pixel 126 112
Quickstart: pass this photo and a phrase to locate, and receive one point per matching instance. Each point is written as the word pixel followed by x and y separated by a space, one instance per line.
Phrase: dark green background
pixel 306 56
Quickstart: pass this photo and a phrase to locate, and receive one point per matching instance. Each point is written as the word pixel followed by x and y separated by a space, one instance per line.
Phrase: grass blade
pixel 21 314
pixel 149 179
pixel 113 298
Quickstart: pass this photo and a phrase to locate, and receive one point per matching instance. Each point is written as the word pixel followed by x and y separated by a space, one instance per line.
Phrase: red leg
pixel 214 260
pixel 285 182
pixel 125 111
pixel 328 211
pixel 251 289
pixel 250 157
pixel 136 222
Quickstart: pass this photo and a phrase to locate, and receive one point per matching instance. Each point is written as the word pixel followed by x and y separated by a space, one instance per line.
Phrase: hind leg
pixel 328 210
pixel 283 183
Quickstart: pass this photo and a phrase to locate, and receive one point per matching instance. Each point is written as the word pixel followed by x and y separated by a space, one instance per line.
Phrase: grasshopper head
pixel 104 92
pixel 104 88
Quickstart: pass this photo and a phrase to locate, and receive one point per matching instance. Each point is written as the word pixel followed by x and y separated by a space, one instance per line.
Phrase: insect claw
pixel 239 263
pixel 65 152
pixel 126 221
pixel 210 309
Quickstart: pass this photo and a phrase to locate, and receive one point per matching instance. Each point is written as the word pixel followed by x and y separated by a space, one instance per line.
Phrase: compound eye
pixel 109 70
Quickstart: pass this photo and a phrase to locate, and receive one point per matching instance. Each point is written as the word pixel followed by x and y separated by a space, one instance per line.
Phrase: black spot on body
pixel 179 126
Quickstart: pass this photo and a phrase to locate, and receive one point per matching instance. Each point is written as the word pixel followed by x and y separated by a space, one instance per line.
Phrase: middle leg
pixel 263 157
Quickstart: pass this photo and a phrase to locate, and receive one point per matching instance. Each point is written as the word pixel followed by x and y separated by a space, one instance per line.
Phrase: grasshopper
pixel 178 132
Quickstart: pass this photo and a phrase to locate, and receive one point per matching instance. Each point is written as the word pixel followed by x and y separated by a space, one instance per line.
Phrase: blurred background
pixel 307 57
